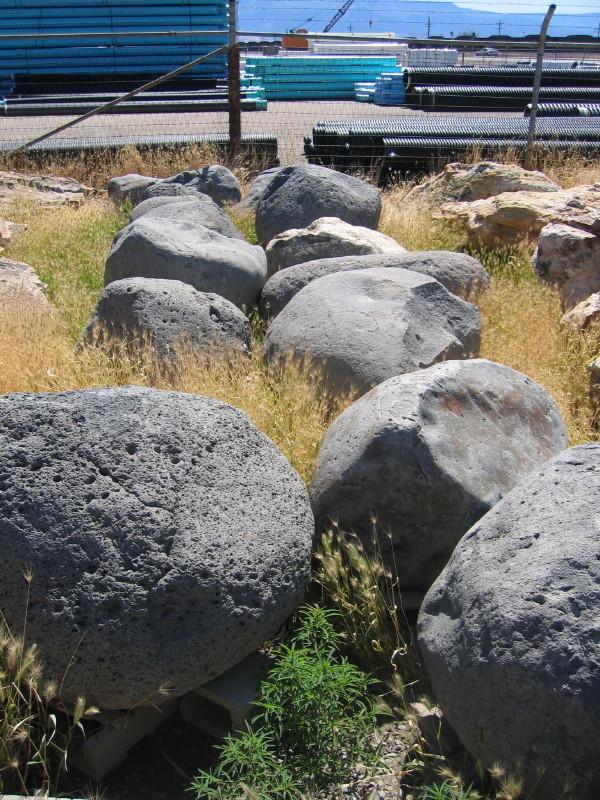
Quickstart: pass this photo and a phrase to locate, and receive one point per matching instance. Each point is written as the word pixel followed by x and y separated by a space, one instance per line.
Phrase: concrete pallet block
pixel 223 704
pixel 104 750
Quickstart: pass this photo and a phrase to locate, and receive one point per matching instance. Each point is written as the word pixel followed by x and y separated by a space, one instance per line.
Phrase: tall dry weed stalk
pixel 35 730
pixel 366 594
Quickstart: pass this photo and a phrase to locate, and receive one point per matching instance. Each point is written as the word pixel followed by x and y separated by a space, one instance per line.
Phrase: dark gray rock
pixel 299 195
pixel 427 454
pixel 161 188
pixel 216 181
pixel 461 274
pixel 168 314
pixel 510 631
pixel 192 209
pixel 366 326
pixel 257 189
pixel 128 187
pixel 167 536
pixel 184 251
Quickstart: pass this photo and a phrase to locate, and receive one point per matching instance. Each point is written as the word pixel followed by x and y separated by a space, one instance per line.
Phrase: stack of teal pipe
pixel 313 78
pixel 107 56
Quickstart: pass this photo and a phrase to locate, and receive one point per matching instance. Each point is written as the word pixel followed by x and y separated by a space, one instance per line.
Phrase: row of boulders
pixel 168 537
pixel 358 327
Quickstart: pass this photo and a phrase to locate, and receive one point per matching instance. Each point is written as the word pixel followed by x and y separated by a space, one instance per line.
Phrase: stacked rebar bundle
pixel 566 110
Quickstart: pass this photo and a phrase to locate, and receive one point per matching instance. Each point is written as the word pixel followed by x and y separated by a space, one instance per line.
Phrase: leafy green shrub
pixel 316 719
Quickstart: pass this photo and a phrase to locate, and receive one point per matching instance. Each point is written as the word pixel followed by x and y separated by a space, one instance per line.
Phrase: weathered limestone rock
pixel 428 453
pixel 365 326
pixel 327 237
pixel 584 315
pixel 167 536
pixel 509 631
pixel 46 190
pixel 19 281
pixel 299 195
pixel 513 216
pixel 568 257
pixel 468 182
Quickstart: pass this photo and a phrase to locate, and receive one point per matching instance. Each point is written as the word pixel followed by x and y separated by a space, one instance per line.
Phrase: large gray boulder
pixel 216 181
pixel 299 195
pixel 257 189
pixel 168 314
pixel 509 631
pixel 200 210
pixel 327 237
pixel 568 258
pixel 461 274
pixel 363 327
pixel 428 453
pixel 128 187
pixel 185 251
pixel 168 538
pixel 161 188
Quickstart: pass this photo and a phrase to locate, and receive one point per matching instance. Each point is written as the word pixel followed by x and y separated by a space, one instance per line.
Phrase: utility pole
pixel 428 26
pixel 235 114
pixel 598 31
pixel 499 23
pixel 536 87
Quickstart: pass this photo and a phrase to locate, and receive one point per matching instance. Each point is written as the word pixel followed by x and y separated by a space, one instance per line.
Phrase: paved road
pixel 289 121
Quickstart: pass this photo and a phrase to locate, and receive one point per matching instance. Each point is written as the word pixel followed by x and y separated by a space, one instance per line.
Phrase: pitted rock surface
pixel 184 251
pixel 216 181
pixel 299 195
pixel 169 314
pixel 427 454
pixel 168 538
pixel 461 274
pixel 509 631
pixel 128 187
pixel 257 189
pixel 362 327
pixel 196 208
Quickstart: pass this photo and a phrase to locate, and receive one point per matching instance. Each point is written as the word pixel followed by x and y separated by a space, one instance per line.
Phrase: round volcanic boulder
pixel 461 274
pixel 168 538
pixel 168 314
pixel 172 190
pixel 510 631
pixel 361 328
pixel 198 209
pixel 257 189
pixel 215 180
pixel 299 195
pixel 184 251
pixel 427 454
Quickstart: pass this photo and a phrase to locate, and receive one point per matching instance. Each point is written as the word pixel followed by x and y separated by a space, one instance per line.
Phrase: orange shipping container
pixel 292 41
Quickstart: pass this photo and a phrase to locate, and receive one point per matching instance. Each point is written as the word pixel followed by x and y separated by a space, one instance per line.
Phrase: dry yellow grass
pixel 37 354
pixel 520 317
pixel 94 168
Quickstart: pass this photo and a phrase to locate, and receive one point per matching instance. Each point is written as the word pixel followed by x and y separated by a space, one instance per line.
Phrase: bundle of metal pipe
pixel 365 143
pixel 566 110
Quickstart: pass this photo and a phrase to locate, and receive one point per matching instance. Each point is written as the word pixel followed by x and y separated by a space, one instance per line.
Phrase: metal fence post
pixel 536 87
pixel 235 115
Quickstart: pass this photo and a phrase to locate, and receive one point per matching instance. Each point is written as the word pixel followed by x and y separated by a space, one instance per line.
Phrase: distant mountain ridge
pixel 406 18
